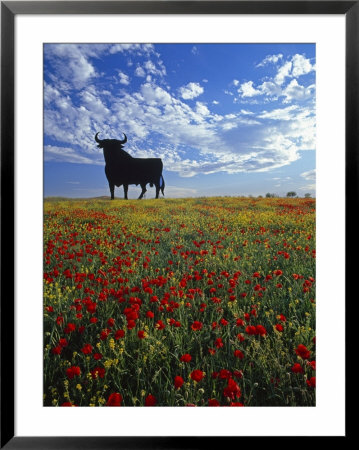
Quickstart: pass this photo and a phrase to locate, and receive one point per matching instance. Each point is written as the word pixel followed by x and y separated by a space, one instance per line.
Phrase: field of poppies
pixel 179 302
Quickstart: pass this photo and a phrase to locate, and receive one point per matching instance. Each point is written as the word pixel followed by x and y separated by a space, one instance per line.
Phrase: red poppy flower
pixel 60 320
pixel 73 371
pixel 197 375
pixel 224 374
pixel 279 327
pixel 178 382
pixel 261 330
pixel 131 324
pixel 104 334
pixel 114 399
pixel 186 357
pixel 87 349
pixel 232 390
pixel 196 325
pixel 63 342
pixel 218 343
pixel 302 351
pixel 150 400
pixel 240 322
pixel 98 372
pixel 57 350
pixel 67 404
pixel 297 368
pixel 119 334
pixel 238 373
pixel 97 356
pixel 70 327
pixel 160 325
pixel 311 382
pixel 238 354
pixel 150 314
pixel 141 334
pixel 111 322
pixel 213 402
pixel 251 330
pixel 312 364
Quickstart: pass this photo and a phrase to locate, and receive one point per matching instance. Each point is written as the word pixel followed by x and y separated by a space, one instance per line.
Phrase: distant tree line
pixel 289 194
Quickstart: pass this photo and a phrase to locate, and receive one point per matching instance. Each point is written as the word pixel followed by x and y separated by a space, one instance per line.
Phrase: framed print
pixel 176 182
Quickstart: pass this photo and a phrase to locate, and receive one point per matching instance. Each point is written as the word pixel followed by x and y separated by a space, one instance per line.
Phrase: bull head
pixel 101 142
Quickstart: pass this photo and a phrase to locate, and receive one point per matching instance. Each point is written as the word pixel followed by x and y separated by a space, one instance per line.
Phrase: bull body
pixel 122 169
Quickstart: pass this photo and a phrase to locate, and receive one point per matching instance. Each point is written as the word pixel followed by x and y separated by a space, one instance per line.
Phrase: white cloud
pixel 274 88
pixel 140 72
pixel 190 91
pixel 294 91
pixel 139 49
pixel 246 113
pixel 247 90
pixel 202 109
pixel 124 79
pixel 270 59
pixel 271 89
pixel 194 50
pixel 152 69
pixel 71 63
pixel 283 73
pixel 279 114
pixel 155 95
pixel 67 154
pixel 301 65
pixel 310 175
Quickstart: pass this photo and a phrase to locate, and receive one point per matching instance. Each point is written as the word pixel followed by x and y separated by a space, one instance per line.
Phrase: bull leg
pixel 157 189
pixel 112 190
pixel 125 190
pixel 143 187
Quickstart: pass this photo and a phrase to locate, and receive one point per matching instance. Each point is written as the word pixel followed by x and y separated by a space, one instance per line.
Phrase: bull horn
pixel 124 140
pixel 97 139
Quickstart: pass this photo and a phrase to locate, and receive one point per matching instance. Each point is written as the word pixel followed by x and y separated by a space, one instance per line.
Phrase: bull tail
pixel 162 186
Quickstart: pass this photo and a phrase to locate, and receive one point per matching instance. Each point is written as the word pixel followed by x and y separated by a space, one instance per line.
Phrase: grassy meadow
pixel 179 302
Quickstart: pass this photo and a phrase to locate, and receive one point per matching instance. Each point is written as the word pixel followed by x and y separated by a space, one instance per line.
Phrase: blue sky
pixel 226 119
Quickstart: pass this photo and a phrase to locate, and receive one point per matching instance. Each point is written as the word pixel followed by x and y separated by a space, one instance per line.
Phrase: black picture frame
pixel 9 9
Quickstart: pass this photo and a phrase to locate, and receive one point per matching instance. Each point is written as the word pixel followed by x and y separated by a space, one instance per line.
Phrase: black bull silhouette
pixel 122 169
